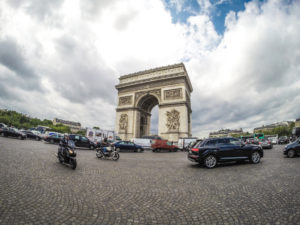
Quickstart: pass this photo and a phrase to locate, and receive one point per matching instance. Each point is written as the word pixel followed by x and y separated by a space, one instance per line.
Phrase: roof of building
pixel 67 122
pixel 226 131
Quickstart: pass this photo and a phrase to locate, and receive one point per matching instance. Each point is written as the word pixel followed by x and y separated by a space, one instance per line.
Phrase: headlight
pixel 70 151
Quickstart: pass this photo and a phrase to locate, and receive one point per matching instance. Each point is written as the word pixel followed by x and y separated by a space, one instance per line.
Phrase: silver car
pixel 266 143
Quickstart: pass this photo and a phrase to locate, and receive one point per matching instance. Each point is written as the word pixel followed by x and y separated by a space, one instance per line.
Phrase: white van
pixel 144 142
pixel 184 142
pixel 96 135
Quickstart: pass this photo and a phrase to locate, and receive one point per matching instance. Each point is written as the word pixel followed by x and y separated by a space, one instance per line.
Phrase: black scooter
pixel 111 153
pixel 69 158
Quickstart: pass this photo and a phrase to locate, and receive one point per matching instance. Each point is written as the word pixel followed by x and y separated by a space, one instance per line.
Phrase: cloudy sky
pixel 62 58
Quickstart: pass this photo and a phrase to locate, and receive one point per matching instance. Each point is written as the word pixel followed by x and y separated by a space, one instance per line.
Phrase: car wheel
pixel 52 141
pixel 291 153
pixel 210 161
pixel 255 157
pixel 20 137
pixel 139 150
pixel 37 138
pixel 92 147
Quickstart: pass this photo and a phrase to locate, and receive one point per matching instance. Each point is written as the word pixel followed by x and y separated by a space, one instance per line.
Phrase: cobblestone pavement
pixel 143 188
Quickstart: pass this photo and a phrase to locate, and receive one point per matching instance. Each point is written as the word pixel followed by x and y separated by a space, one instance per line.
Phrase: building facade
pixel 225 133
pixel 74 126
pixel 270 127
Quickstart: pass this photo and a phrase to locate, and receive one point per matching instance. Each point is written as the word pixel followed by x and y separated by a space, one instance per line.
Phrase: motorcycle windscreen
pixel 71 144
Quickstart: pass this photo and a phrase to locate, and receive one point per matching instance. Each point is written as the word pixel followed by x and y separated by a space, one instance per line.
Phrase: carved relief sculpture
pixel 173 120
pixel 126 100
pixel 123 122
pixel 173 94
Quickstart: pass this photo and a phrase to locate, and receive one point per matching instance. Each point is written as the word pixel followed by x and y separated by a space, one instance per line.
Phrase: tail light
pixel 195 149
pixel 259 143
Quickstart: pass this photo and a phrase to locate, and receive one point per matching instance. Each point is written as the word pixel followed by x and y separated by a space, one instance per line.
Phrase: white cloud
pixel 78 49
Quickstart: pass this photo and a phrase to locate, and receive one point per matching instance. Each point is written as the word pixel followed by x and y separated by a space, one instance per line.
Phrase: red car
pixel 158 145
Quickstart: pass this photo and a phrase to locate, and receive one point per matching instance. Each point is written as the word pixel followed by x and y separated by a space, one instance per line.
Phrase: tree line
pixel 21 121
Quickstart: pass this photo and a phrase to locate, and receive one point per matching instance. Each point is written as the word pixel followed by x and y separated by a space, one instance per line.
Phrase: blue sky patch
pixel 217 12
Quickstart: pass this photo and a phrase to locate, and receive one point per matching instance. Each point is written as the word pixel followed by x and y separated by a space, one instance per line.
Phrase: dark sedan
pixel 214 150
pixel 283 140
pixel 54 138
pixel 292 149
pixel 30 135
pixel 128 146
pixel 12 132
pixel 82 141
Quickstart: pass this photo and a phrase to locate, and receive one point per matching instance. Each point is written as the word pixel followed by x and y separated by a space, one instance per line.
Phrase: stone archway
pixel 168 87
pixel 144 106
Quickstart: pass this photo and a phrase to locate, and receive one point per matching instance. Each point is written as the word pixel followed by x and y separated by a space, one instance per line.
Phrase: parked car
pixel 82 141
pixel 54 138
pixel 2 125
pixel 292 149
pixel 212 151
pixel 274 140
pixel 158 145
pixel 253 141
pixel 265 143
pixel 31 135
pixel 283 140
pixel 128 146
pixel 12 132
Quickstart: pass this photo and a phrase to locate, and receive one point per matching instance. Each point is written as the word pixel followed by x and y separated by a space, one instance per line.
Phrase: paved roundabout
pixel 143 188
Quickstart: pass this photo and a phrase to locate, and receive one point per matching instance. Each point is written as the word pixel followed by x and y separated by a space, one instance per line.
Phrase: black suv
pixel 81 141
pixel 213 150
pixel 292 149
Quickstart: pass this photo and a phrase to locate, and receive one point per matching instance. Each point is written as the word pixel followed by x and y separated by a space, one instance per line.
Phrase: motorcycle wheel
pixel 60 158
pixel 115 156
pixel 74 164
pixel 99 154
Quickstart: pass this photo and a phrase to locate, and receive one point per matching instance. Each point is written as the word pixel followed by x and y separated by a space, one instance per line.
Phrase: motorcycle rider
pixel 104 145
pixel 64 145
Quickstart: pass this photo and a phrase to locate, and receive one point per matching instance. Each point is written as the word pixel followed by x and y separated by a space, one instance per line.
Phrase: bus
pixel 259 136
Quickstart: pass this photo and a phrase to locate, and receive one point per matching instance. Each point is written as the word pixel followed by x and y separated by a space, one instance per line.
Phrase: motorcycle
pixel 70 155
pixel 111 153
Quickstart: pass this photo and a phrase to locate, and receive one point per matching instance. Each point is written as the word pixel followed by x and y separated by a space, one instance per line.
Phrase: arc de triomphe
pixel 168 87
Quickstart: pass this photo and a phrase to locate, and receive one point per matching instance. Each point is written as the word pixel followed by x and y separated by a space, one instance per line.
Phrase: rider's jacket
pixel 64 146
pixel 104 144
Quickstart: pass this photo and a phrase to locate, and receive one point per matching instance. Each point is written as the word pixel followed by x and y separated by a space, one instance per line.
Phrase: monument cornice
pixel 159 69
pixel 152 70
pixel 160 79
